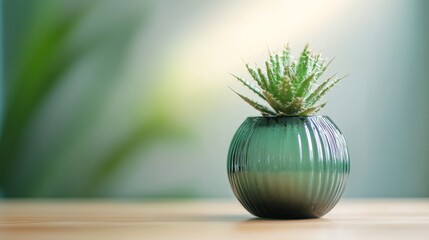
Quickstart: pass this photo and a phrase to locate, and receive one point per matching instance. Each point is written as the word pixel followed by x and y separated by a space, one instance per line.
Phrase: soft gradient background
pixel 129 98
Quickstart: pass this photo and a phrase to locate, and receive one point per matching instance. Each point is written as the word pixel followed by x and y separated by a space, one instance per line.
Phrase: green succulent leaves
pixel 290 86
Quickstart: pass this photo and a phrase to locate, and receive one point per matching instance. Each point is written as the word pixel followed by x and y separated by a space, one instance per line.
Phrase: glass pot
pixel 288 167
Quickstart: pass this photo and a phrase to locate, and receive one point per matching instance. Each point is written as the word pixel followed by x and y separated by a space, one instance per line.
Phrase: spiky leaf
pixel 311 99
pixel 286 57
pixel 264 110
pixel 254 75
pixel 264 80
pixel 311 110
pixel 296 106
pixel 306 85
pixel 325 90
pixel 271 77
pixel 250 86
pixel 276 104
pixel 324 67
pixel 303 64
pixel 286 90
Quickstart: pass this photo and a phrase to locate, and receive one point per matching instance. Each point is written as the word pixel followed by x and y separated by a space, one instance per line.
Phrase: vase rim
pixel 272 117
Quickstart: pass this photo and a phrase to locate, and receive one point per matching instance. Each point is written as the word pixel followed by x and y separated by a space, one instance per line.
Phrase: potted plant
pixel 288 163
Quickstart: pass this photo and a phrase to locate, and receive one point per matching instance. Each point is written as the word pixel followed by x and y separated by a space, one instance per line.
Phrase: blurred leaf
pixel 46 58
pixel 45 61
pixel 156 128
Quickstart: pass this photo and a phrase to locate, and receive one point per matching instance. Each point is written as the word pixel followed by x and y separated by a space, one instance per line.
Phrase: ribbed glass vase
pixel 288 167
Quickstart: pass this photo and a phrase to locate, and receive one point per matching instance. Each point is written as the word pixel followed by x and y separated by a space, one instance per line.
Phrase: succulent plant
pixel 290 86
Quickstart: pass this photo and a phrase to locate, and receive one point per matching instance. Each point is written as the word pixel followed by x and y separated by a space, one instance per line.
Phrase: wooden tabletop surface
pixel 207 219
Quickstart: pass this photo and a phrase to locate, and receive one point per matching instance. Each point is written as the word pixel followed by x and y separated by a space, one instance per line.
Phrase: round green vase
pixel 288 167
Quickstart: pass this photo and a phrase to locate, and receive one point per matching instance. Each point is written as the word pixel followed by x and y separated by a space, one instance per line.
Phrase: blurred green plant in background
pixel 59 38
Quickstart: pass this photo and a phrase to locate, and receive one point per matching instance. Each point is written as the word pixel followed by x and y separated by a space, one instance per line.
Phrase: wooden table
pixel 207 219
